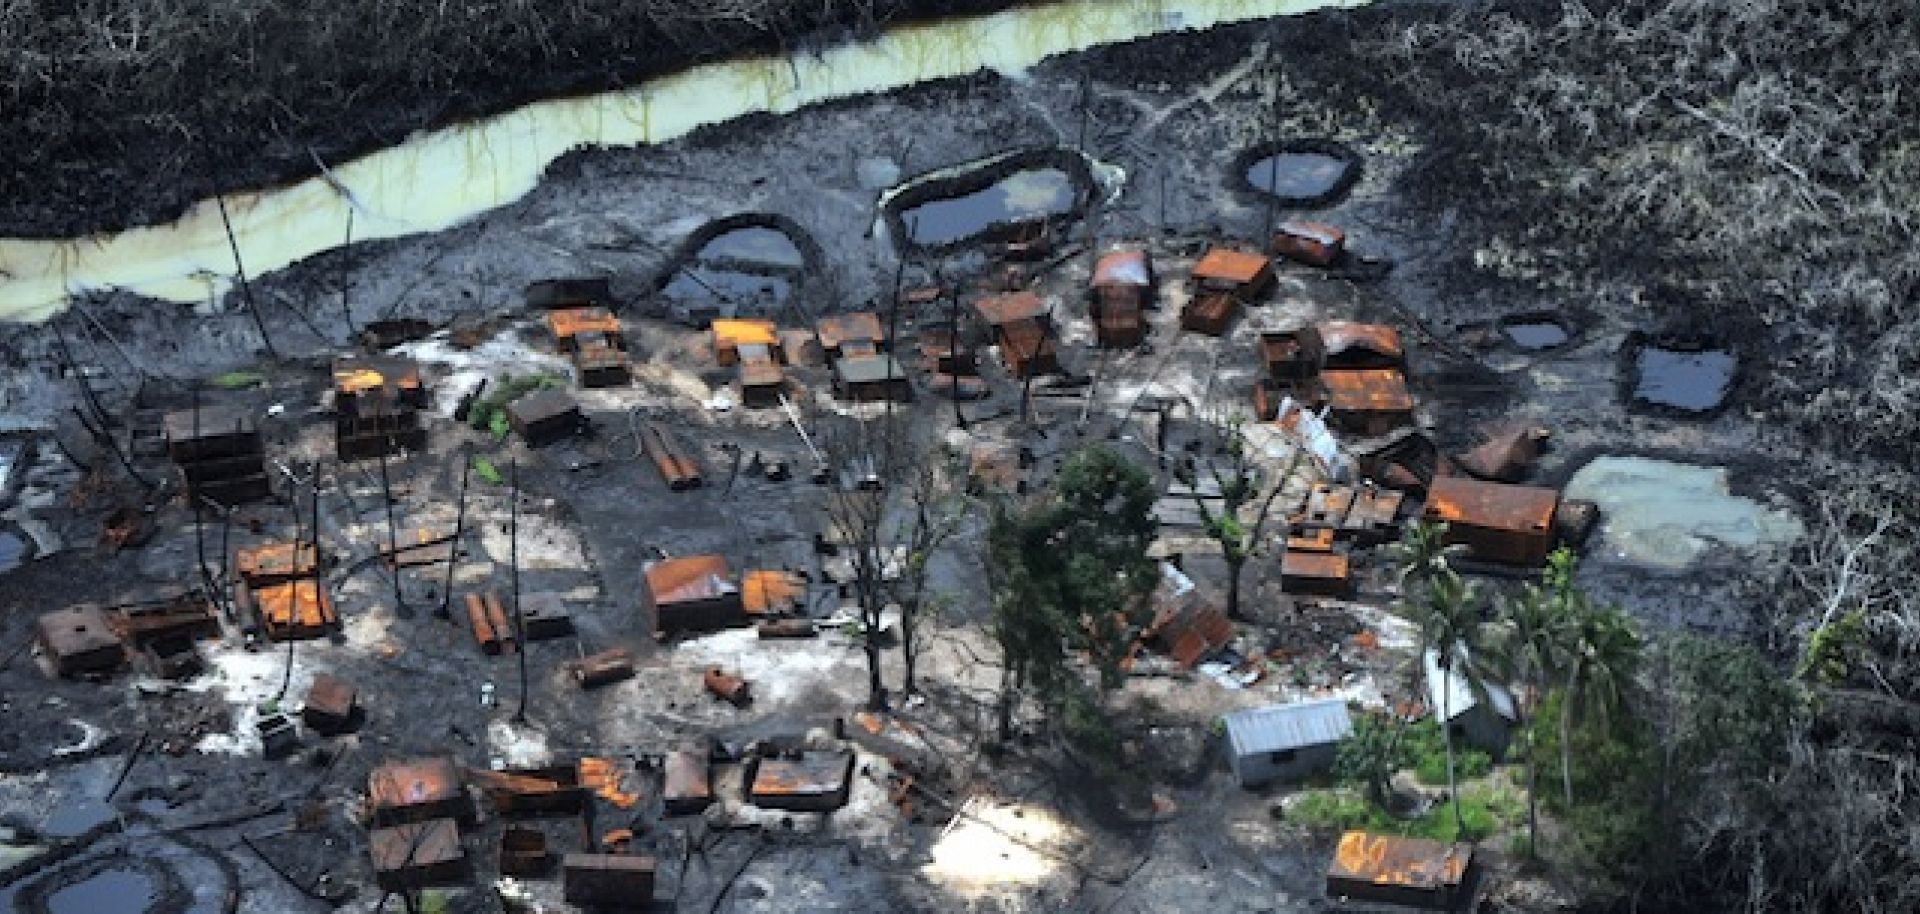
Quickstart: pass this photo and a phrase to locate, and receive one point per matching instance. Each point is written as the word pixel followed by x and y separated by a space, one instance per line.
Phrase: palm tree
pixel 1421 556
pixel 1602 657
pixel 1535 633
pixel 1451 628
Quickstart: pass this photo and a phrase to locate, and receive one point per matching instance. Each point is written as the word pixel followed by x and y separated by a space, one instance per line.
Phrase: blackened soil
pixel 80 159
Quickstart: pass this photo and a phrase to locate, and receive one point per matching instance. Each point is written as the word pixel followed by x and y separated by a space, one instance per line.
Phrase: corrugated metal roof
pixel 1461 695
pixel 1278 728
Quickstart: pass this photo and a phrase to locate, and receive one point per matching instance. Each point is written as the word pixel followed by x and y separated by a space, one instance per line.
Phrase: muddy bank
pixel 103 144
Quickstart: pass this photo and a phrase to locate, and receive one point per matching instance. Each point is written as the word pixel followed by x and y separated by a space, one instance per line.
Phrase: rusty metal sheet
pixel 1351 344
pixel 771 591
pixel 1244 271
pixel 675 464
pixel 837 331
pixel 1366 390
pixel 533 791
pixel 1326 573
pixel 567 323
pixel 293 611
pixel 604 668
pixel 331 706
pixel 1492 505
pixel 1312 243
pixel 610 880
pixel 999 310
pixel 1417 868
pixel 731 334
pixel 79 639
pixel 188 614
pixel 609 779
pixel 415 790
pixel 1506 451
pixel 410 855
pixel 523 852
pixel 688 789
pixel 1209 313
pixel 274 563
pixel 544 416
pixel 1123 268
pixel 691 578
pixel 817 781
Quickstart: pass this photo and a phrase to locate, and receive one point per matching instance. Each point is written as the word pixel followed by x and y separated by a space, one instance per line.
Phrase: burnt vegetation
pixel 185 99
pixel 1742 167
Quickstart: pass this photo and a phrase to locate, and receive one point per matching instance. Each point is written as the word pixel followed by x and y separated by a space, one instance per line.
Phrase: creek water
pixel 439 178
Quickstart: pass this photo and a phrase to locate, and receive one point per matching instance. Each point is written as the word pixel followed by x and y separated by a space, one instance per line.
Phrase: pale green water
pixel 438 179
pixel 1667 515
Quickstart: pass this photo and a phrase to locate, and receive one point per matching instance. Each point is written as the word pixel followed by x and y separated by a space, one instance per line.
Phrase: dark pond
pixel 753 244
pixel 695 284
pixel 1692 381
pixel 1298 175
pixel 1536 334
pixel 107 892
pixel 1023 196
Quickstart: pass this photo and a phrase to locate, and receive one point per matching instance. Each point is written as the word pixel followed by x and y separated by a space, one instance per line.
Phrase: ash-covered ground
pixel 218 827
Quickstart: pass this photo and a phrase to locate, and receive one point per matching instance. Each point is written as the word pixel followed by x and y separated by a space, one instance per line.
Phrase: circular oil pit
pixel 1298 173
pixel 1666 515
pixel 1535 332
pixel 741 265
pixel 1683 376
pixel 1001 198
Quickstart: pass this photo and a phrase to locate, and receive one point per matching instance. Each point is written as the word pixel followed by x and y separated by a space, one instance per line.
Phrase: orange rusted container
pixel 1497 522
pixel 1414 872
pixel 728 687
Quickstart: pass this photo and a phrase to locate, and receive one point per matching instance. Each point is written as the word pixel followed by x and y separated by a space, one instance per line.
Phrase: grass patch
pixel 237 380
pixel 1485 808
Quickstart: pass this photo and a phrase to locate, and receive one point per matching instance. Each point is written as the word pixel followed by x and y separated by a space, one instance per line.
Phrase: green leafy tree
pixel 1369 756
pixel 1071 574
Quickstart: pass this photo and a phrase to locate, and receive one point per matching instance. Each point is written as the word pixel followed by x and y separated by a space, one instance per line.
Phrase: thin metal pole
pixel 240 272
pixel 346 266
pixel 513 570
pixel 393 532
pixel 293 498
pixel 453 547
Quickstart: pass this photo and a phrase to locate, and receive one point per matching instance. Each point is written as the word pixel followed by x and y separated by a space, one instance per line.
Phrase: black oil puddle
pixel 1298 173
pixel 743 265
pixel 1534 332
pixel 1024 197
pixel 110 891
pixel 1686 376
pixel 995 199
